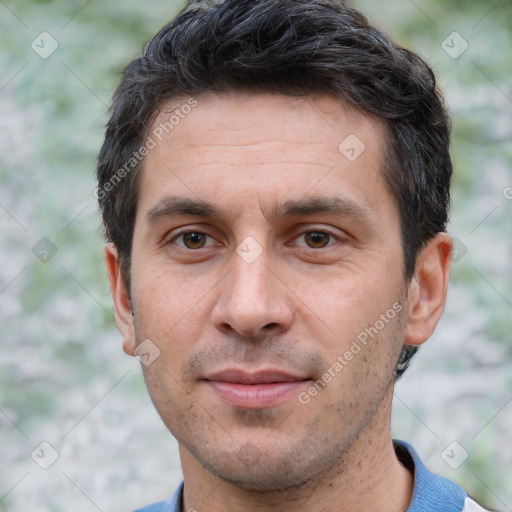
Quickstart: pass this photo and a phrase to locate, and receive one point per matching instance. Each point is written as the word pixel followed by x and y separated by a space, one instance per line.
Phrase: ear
pixel 428 288
pixel 120 296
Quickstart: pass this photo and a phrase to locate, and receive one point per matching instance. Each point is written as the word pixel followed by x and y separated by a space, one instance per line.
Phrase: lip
pixel 268 376
pixel 255 390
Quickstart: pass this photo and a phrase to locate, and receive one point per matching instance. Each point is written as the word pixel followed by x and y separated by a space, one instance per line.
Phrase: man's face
pixel 266 243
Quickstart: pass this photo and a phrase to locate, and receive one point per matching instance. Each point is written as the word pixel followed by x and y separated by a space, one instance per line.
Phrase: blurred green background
pixel 63 376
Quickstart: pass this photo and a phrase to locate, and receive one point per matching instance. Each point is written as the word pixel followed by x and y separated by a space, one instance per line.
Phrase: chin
pixel 260 477
pixel 266 469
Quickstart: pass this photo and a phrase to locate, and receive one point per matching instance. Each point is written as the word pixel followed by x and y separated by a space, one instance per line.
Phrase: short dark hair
pixel 297 48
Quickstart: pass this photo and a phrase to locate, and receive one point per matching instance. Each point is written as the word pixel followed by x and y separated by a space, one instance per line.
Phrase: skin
pixel 296 307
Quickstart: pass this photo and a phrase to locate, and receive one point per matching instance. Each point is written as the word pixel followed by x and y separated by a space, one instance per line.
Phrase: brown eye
pixel 317 239
pixel 194 240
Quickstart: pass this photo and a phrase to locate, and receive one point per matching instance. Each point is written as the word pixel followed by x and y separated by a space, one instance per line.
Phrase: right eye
pixel 192 240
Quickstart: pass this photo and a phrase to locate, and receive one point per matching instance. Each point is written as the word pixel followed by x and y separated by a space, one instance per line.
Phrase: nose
pixel 253 301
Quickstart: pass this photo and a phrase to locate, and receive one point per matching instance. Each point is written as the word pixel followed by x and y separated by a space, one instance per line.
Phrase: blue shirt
pixel 431 493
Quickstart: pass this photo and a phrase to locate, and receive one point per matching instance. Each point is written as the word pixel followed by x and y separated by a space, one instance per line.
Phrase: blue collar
pixel 432 493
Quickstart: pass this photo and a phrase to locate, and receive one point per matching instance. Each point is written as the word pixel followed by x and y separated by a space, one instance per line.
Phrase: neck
pixel 369 477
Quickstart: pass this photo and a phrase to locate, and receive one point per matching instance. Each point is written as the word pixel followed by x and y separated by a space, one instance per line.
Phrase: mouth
pixel 255 390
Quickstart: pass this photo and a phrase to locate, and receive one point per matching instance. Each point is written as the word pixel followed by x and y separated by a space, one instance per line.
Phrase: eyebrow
pixel 312 205
pixel 177 206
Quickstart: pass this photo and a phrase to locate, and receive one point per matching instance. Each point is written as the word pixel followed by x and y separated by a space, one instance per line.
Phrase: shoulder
pixel 432 492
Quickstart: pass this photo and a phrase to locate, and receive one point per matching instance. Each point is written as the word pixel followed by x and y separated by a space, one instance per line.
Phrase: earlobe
pixel 129 345
pixel 120 296
pixel 428 288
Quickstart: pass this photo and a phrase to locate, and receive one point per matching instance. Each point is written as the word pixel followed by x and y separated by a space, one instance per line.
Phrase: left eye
pixel 316 239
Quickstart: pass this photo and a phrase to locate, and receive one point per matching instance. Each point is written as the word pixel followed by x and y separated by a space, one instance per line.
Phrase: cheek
pixel 164 294
pixel 358 325
pixel 347 302
pixel 170 310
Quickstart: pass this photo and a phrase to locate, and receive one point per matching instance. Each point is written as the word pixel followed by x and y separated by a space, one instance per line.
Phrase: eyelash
pixel 322 231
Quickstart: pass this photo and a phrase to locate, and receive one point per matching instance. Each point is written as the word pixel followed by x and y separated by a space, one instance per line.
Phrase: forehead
pixel 278 147
pixel 322 118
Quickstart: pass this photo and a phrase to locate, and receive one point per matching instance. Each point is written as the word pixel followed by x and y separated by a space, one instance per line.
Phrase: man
pixel 274 185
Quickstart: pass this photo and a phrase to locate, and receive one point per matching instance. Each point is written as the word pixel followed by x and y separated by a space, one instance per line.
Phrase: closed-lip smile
pixel 255 390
